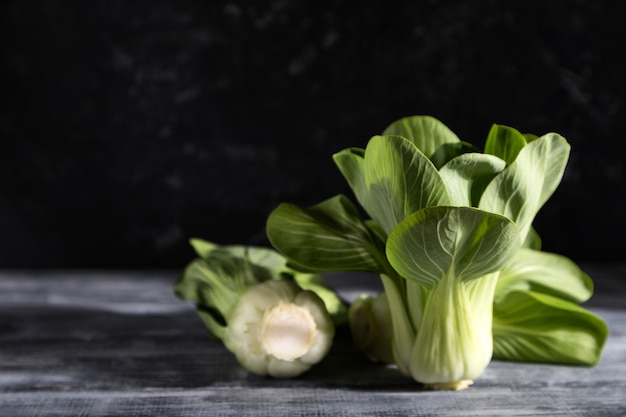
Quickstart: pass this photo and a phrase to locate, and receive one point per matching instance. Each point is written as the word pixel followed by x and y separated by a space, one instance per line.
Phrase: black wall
pixel 129 126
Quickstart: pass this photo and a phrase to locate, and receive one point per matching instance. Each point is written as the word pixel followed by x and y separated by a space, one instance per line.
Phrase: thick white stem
pixel 403 332
pixel 454 342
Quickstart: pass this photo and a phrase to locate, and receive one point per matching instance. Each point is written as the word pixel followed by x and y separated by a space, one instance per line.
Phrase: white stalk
pixel 454 342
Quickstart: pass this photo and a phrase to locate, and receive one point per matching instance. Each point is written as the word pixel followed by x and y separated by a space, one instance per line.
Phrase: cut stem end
pixel 288 331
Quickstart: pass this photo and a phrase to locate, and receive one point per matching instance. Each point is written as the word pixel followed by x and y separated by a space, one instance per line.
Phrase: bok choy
pixel 275 320
pixel 450 235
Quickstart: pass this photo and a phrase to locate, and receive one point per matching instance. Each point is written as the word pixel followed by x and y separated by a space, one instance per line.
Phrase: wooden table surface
pixel 118 343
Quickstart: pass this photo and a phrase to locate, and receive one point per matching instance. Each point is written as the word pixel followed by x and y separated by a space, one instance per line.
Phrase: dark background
pixel 129 126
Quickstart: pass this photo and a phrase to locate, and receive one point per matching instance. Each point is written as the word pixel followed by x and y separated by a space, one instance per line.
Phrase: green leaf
pixel 462 241
pixel 212 320
pixel 208 284
pixel 392 179
pixel 447 151
pixel 534 327
pixel 264 261
pixel 530 137
pixel 426 132
pixel 377 230
pixel 350 162
pixel 202 247
pixel 504 142
pixel 521 189
pixel 533 240
pixel 329 236
pixel 214 295
pixel 544 272
pixel 467 176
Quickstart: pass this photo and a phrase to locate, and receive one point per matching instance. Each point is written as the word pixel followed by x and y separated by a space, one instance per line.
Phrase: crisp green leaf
pixel 377 230
pixel 504 142
pixel 533 240
pixel 392 180
pixel 447 151
pixel 214 295
pixel 534 327
pixel 208 284
pixel 212 320
pixel 202 247
pixel 462 241
pixel 530 137
pixel 426 132
pixel 521 189
pixel 401 180
pixel 467 175
pixel 270 261
pixel 350 162
pixel 544 272
pixel 186 286
pixel 329 236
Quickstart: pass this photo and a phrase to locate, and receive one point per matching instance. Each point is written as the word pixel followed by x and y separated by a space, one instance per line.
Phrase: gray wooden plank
pixel 120 344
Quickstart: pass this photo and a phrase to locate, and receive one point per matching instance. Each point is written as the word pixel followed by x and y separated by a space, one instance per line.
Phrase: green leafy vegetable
pixel 275 320
pixel 451 238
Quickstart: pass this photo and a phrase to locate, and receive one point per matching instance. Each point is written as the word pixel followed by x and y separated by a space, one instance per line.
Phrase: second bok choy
pixel 449 232
pixel 276 321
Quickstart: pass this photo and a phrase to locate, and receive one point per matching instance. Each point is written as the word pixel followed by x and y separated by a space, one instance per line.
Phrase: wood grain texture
pixel 89 343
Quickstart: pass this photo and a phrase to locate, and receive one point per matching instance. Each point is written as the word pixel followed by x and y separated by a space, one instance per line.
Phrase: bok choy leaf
pixel 529 326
